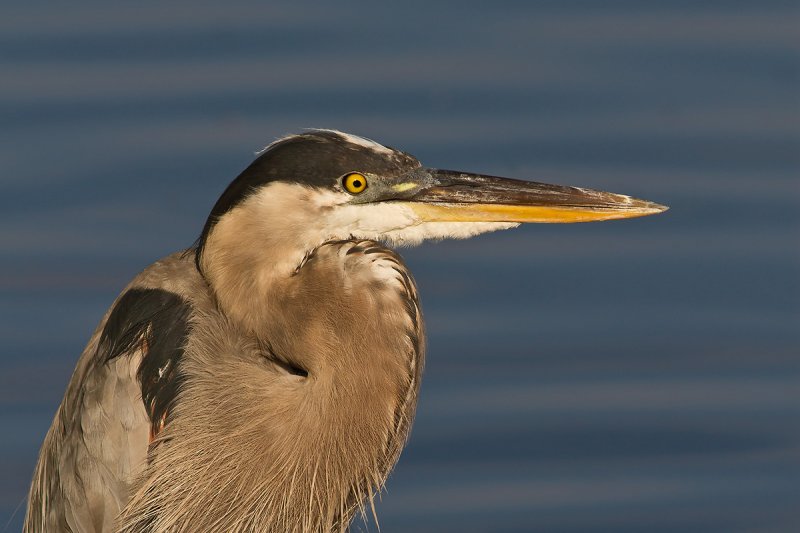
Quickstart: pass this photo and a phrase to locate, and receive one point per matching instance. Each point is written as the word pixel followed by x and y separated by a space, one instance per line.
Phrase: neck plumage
pixel 292 452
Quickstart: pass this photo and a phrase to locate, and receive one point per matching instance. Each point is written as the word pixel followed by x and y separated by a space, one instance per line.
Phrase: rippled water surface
pixel 636 375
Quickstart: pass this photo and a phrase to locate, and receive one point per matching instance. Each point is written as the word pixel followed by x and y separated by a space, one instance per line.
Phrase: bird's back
pixel 97 444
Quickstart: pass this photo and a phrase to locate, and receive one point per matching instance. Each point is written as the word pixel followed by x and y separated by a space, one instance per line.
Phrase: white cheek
pixel 370 221
pixel 443 230
pixel 391 222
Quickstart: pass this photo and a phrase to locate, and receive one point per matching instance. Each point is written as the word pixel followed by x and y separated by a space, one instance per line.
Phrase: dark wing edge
pixel 157 322
pixel 65 493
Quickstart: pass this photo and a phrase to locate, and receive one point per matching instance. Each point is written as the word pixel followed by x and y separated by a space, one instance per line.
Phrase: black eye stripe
pixel 313 158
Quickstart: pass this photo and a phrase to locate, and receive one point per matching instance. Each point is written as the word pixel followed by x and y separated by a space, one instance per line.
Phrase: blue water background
pixel 629 376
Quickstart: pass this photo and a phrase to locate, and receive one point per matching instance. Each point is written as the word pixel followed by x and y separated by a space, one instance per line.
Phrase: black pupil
pixel 356 183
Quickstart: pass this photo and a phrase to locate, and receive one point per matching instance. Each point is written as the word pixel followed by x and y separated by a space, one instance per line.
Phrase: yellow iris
pixel 354 183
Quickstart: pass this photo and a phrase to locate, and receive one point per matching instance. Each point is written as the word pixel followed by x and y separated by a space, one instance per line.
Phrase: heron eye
pixel 354 182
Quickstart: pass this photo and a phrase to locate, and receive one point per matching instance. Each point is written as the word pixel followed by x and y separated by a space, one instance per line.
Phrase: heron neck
pixel 283 452
pixel 253 252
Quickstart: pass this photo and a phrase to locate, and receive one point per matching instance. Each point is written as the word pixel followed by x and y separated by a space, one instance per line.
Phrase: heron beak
pixel 452 196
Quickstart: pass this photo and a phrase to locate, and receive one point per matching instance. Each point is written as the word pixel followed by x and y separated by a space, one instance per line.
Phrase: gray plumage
pixel 266 380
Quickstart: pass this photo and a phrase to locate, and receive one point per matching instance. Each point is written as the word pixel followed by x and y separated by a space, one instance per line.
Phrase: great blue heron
pixel 266 378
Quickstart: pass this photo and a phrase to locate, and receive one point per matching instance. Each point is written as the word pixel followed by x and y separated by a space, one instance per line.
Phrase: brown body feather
pixel 248 446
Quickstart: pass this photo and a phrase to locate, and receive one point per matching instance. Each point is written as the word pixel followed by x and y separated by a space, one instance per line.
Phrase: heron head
pixel 324 185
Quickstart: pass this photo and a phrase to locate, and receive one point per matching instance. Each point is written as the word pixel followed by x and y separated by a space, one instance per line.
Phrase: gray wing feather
pixel 98 442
